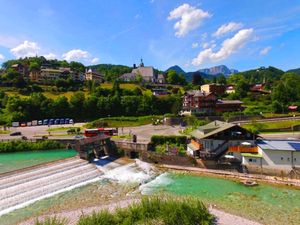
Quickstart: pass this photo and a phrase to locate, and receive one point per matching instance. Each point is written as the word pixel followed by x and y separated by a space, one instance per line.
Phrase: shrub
pixel 154 210
pixel 173 139
pixel 18 146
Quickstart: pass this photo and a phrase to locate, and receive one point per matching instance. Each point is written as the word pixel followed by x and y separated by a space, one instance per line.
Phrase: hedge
pixel 19 146
pixel 172 139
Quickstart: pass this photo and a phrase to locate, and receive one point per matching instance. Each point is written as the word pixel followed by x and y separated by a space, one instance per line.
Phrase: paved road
pixel 31 132
pixel 143 133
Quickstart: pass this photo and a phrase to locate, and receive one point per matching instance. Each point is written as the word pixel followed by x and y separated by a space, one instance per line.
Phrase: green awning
pixel 252 155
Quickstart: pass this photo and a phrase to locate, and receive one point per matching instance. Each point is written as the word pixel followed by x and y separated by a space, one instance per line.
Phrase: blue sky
pixel 192 34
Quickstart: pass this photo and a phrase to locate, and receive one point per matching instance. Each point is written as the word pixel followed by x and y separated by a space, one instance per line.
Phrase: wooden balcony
pixel 243 149
pixel 196 144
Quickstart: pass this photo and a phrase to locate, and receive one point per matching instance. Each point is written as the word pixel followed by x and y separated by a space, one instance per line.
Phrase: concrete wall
pixel 281 159
pixel 274 162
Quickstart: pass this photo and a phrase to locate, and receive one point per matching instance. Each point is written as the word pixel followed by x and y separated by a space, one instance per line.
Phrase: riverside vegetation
pixel 21 146
pixel 153 210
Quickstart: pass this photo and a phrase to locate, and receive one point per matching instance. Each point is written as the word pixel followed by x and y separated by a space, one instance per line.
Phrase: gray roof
pixel 211 129
pixel 198 93
pixel 147 71
pixel 280 145
pixel 128 76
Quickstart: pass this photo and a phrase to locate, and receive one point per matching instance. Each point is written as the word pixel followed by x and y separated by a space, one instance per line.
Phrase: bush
pixel 18 146
pixel 160 140
pixel 154 211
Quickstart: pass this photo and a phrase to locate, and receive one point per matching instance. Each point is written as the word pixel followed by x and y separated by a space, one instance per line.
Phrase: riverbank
pixel 222 218
pixel 124 180
pixel 237 176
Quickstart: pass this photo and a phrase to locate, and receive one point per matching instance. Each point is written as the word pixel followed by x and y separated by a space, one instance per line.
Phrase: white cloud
pixel 50 56
pixel 95 60
pixel 229 46
pixel 189 17
pixel 226 28
pixel 205 45
pixel 195 45
pixel 2 57
pixel 152 1
pixel 25 49
pixel 265 50
pixel 8 41
pixel 137 16
pixel 75 54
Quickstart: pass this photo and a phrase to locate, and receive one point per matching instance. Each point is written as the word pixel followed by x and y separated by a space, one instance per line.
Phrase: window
pixel 281 158
pixel 252 160
pixel 288 159
pixel 295 159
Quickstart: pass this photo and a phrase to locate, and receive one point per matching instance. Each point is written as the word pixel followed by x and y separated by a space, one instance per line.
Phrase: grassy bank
pixel 184 211
pixel 271 126
pixel 20 146
pixel 122 121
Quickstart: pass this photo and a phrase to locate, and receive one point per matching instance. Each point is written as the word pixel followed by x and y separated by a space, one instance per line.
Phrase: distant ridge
pixel 297 71
pixel 207 73
pixel 217 70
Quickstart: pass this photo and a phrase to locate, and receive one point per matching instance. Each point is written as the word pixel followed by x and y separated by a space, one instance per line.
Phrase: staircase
pixel 20 189
pixel 215 154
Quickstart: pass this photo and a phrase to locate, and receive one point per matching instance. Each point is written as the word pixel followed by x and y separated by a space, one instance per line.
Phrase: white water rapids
pixel 23 189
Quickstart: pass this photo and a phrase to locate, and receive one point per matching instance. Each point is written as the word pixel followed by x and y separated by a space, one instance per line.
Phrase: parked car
pixel 79 137
pixel 45 122
pixel 56 121
pixel 71 121
pixel 62 121
pixel 67 120
pixel 71 131
pixel 40 122
pixel 23 124
pixel 51 121
pixel 17 133
pixel 15 124
pixel 34 122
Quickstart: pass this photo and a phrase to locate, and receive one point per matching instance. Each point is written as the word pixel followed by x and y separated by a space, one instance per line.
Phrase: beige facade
pixel 91 75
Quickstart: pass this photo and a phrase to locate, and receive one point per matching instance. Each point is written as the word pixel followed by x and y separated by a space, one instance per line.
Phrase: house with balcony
pixel 93 75
pixel 199 102
pixel 217 89
pixel 217 138
pixel 206 103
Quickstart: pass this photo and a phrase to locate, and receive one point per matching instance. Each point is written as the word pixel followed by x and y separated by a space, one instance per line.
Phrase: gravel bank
pixel 223 218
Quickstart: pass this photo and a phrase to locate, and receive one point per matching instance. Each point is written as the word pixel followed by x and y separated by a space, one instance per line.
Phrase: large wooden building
pixel 213 140
pixel 201 102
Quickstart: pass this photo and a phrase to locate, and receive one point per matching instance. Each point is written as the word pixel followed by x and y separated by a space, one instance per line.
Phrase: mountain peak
pixel 177 68
pixel 217 70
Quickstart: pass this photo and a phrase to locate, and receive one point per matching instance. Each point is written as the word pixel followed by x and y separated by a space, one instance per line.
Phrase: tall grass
pixel 52 221
pixel 154 210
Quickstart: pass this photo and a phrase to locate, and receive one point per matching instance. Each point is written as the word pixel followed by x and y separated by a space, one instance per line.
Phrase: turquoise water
pixel 20 160
pixel 264 203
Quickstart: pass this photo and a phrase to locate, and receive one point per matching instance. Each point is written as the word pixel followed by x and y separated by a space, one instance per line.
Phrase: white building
pixel 274 157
